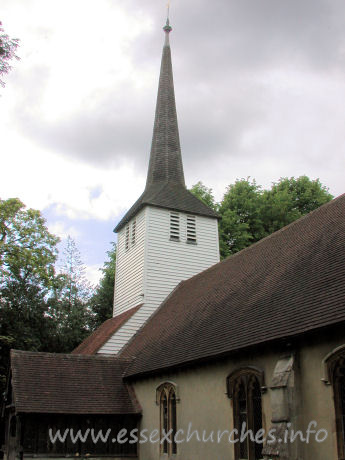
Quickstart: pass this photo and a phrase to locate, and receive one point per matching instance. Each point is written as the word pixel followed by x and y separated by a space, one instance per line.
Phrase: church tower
pixel 168 235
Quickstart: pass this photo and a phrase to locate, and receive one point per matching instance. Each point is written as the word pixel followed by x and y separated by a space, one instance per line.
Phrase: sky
pixel 259 88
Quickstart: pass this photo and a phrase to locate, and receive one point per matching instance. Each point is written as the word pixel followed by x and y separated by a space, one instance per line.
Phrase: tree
pixel 204 194
pixel 8 47
pixel 240 212
pixel 27 256
pixel 102 301
pixel 5 346
pixel 249 213
pixel 76 285
pixel 290 199
pixel 70 302
pixel 27 250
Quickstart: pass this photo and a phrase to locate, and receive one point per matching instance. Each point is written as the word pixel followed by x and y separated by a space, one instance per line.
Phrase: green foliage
pixel 75 283
pixel 290 199
pixel 44 311
pixel 102 301
pixel 27 250
pixel 27 256
pixel 39 309
pixel 204 194
pixel 249 213
pixel 69 305
pixel 5 346
pixel 8 47
pixel 240 212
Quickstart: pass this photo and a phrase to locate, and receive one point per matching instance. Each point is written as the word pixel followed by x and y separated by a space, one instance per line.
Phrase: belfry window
pixel 244 388
pixel 191 230
pixel 127 237
pixel 134 228
pixel 166 397
pixel 131 234
pixel 175 226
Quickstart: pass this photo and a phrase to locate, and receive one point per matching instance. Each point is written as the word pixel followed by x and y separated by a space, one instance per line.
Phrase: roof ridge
pixel 291 224
pixel 271 235
pixel 266 294
pixel 15 352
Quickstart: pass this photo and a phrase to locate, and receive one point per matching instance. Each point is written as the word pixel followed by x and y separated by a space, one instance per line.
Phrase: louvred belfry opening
pixel 168 235
pixel 165 183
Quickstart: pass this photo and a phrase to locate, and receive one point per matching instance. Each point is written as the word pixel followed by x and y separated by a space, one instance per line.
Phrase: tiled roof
pixel 169 196
pixel 70 384
pixel 286 284
pixel 165 186
pixel 102 334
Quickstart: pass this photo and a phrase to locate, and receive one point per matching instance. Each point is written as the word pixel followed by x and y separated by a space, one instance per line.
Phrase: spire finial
pixel 167 28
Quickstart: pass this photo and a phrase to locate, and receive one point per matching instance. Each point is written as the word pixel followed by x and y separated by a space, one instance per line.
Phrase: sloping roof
pixel 286 284
pixel 170 196
pixel 70 384
pixel 102 334
pixel 165 185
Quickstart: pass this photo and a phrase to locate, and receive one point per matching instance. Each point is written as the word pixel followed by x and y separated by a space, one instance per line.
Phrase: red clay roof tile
pixel 99 337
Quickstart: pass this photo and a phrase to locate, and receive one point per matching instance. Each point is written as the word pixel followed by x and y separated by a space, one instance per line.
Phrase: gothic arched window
pixel 166 398
pixel 336 373
pixel 244 388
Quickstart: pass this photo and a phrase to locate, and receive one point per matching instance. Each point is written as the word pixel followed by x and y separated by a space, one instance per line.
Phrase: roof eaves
pixel 224 354
pixel 141 203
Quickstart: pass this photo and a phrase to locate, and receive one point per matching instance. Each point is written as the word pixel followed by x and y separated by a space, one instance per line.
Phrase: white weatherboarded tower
pixel 168 235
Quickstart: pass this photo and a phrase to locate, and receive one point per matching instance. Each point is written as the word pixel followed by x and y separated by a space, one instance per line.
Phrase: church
pixel 242 359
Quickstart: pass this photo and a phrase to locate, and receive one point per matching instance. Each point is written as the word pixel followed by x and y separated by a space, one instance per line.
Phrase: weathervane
pixel 167 28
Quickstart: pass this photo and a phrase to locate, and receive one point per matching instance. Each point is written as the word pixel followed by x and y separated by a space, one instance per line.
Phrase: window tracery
pixel 166 395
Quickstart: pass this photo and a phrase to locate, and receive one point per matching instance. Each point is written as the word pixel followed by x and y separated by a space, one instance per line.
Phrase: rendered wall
pixel 204 403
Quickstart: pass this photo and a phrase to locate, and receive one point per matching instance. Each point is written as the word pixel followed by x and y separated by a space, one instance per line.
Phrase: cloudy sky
pixel 260 91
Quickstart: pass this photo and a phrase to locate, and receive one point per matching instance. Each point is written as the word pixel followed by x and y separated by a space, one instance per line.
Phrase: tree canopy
pixel 70 301
pixel 28 253
pixel 249 213
pixel 204 194
pixel 42 309
pixel 27 250
pixel 8 47
pixel 102 301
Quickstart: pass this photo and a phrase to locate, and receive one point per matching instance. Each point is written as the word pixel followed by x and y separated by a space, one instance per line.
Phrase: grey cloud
pixel 213 36
pixel 106 133
pixel 218 49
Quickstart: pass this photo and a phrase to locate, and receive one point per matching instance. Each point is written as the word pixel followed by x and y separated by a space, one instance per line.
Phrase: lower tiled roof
pixel 70 384
pixel 103 333
pixel 286 284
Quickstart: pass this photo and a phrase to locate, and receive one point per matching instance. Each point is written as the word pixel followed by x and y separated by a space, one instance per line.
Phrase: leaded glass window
pixel 245 388
pixel 168 420
pixel 339 400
